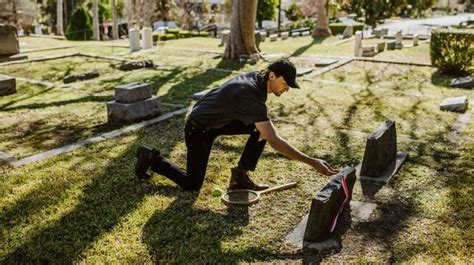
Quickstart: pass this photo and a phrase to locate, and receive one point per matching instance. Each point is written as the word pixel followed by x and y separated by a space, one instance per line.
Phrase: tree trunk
pixel 114 20
pixel 322 28
pixel 242 30
pixel 95 20
pixel 59 18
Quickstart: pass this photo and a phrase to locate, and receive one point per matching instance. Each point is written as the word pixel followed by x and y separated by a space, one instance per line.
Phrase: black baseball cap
pixel 286 69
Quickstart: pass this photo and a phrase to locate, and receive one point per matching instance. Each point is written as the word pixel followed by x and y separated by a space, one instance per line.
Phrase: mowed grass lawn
pixel 87 205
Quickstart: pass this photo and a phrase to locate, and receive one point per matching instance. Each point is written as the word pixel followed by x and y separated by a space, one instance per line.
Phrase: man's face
pixel 278 85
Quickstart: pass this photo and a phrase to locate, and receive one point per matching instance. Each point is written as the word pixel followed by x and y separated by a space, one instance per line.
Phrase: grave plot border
pixel 93 140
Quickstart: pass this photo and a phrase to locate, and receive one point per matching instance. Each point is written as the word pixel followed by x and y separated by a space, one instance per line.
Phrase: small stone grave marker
pixel 456 104
pixel 7 85
pixel 348 32
pixel 134 39
pixel 463 82
pixel 147 39
pixel 381 159
pixel 391 45
pixel 137 65
pixel 133 102
pixel 325 62
pixel 328 204
pixel 80 77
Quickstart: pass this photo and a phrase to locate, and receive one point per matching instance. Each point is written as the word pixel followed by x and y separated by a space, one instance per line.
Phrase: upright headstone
pixel 133 102
pixel 358 44
pixel 284 35
pixel 398 40
pixel 7 85
pixel 134 37
pixel 328 205
pixel 147 39
pixel 415 40
pixel 225 34
pixel 348 31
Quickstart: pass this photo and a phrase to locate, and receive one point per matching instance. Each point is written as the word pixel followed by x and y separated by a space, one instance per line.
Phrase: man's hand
pixel 323 167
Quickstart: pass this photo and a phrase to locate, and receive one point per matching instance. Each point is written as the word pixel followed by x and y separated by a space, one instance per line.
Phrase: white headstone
pixel 134 38
pixel 398 39
pixel 358 44
pixel 348 31
pixel 147 40
pixel 415 40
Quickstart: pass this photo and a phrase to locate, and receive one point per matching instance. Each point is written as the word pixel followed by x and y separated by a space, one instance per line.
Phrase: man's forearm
pixel 289 151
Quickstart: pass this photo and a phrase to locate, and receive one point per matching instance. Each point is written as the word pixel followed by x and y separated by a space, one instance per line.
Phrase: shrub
pixel 80 25
pixel 452 50
pixel 338 28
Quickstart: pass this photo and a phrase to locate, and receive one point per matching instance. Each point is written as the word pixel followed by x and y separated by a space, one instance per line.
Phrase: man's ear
pixel 271 75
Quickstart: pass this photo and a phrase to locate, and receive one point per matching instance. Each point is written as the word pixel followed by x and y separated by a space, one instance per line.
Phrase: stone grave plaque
pixel 325 62
pixel 133 92
pixel 137 65
pixel 303 71
pixel 463 82
pixel 456 104
pixel 134 39
pixel 7 85
pixel 391 45
pixel 131 112
pixel 80 77
pixel 284 35
pixel 147 39
pixel 328 204
pixel 348 31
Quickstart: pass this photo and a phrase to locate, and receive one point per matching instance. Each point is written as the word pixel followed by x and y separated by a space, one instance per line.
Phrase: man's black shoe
pixel 145 158
pixel 240 180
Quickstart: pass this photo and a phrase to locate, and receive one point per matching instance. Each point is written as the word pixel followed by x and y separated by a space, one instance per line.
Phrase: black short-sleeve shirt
pixel 241 98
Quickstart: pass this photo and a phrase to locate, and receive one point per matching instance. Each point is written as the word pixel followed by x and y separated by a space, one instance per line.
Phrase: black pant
pixel 199 143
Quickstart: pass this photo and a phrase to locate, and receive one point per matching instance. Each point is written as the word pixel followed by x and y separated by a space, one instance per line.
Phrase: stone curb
pixel 96 139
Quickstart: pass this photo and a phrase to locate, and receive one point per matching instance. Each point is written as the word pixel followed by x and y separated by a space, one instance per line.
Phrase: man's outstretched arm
pixel 268 132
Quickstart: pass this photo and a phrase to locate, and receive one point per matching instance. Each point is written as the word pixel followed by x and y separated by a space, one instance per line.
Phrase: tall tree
pixel 242 29
pixel 59 18
pixel 113 10
pixel 322 28
pixel 95 20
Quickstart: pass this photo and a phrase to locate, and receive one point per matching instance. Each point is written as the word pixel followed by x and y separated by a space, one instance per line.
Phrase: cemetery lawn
pixel 87 205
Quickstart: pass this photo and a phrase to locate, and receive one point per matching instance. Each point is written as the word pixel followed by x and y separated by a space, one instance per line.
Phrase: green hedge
pixel 338 28
pixel 452 50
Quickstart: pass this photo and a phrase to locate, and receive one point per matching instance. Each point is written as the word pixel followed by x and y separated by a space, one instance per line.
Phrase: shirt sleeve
pixel 250 108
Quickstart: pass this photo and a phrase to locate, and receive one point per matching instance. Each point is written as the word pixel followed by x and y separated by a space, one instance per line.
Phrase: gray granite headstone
pixel 131 112
pixel 137 65
pixel 7 85
pixel 326 205
pixel 380 150
pixel 133 92
pixel 9 44
pixel 463 82
pixel 79 77
pixel 456 104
